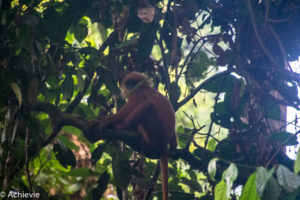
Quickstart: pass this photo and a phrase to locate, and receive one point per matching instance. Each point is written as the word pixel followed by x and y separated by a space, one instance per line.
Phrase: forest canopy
pixel 224 65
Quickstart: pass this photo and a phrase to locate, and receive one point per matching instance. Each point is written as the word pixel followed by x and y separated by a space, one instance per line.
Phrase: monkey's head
pixel 135 81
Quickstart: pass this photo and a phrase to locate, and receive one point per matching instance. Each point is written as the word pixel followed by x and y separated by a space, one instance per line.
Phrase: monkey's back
pixel 158 126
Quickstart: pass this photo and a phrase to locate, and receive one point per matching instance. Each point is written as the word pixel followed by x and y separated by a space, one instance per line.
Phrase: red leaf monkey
pixel 151 114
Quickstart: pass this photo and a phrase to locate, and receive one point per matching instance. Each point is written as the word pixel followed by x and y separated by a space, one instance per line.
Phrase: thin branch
pixel 280 147
pixel 258 37
pixel 112 37
pixel 200 87
pixel 79 96
pixel 284 57
pixel 214 113
pixel 149 194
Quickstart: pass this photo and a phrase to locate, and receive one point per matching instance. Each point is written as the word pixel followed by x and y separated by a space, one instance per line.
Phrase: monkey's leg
pixel 136 116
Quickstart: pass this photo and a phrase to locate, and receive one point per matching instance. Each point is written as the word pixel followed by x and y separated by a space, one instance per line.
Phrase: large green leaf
pixel 249 190
pixel 221 191
pixel 272 190
pixel 212 168
pixel 230 175
pixel 287 179
pixel 68 87
pixel 281 136
pixel 271 110
pixel 122 170
pixel 297 163
pixel 262 177
pixel 221 85
pixel 200 64
pixel 81 30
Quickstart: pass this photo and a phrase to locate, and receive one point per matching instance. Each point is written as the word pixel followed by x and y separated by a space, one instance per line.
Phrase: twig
pixel 195 130
pixel 259 39
pixel 286 63
pixel 150 191
pixel 113 36
pixel 280 147
pixel 200 87
pixel 79 96
pixel 212 121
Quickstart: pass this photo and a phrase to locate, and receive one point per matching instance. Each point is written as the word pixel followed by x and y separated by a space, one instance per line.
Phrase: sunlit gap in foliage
pixel 292 116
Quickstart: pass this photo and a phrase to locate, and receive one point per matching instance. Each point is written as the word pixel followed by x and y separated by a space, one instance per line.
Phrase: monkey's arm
pixel 120 116
pixel 110 121
pixel 136 115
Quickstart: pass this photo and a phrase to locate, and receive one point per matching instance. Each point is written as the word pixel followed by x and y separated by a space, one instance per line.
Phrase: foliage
pixel 60 64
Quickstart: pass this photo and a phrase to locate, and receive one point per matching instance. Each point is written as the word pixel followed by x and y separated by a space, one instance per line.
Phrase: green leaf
pixel 193 185
pixel 68 142
pixel 272 190
pixel 221 191
pixel 200 64
pixel 281 136
pixel 221 85
pixel 122 170
pixel 271 110
pixel 17 92
pixel 262 178
pixel 249 190
pixel 175 92
pixel 64 155
pixel 68 87
pixel 287 179
pixel 80 172
pixel 230 175
pixel 132 40
pixel 180 130
pixel 81 30
pixel 297 162
pixel 220 108
pixel 212 168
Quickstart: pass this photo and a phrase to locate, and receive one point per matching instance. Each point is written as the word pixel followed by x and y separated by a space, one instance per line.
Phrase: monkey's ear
pixel 130 84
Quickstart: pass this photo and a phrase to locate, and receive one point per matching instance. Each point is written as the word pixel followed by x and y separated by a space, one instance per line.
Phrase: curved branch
pixel 79 96
pixel 200 87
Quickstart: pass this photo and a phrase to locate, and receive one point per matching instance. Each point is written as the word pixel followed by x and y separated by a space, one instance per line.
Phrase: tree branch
pixel 200 87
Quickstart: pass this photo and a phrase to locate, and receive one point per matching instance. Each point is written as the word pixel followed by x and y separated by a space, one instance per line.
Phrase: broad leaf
pixel 212 168
pixel 230 175
pixel 287 179
pixel 262 178
pixel 297 163
pixel 281 136
pixel 223 83
pixel 272 190
pixel 221 191
pixel 17 92
pixel 249 190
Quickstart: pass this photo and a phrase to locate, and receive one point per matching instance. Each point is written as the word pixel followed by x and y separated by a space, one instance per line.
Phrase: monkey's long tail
pixel 164 175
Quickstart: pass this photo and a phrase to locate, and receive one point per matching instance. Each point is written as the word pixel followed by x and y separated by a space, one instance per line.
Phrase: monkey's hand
pixel 93 130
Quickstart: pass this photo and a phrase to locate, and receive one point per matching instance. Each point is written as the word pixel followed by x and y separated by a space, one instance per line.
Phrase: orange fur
pixel 151 114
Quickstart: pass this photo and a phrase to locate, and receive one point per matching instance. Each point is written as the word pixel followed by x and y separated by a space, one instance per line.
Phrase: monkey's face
pixel 128 86
pixel 134 81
